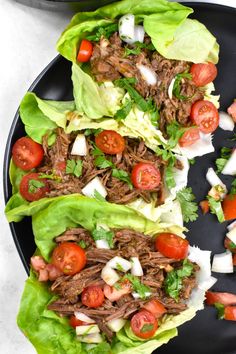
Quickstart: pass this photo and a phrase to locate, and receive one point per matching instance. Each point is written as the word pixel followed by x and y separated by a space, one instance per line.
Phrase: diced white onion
pixel 207 283
pixel 226 122
pixel 202 147
pixel 80 146
pixel 232 225
pixel 230 167
pixel 87 329
pixel 91 338
pixel 214 180
pixel 170 88
pixel 109 275
pixel 119 263
pixel 232 235
pixel 126 28
pixel 116 324
pixel 139 33
pixel 102 244
pixel 223 263
pixel 147 74
pixel 137 296
pixel 92 186
pixel 82 317
pixel 136 268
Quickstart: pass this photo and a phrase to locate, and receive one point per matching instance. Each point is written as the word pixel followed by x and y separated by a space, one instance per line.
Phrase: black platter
pixel 204 334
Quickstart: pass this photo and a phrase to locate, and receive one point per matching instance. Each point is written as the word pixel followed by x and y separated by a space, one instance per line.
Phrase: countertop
pixel 28 38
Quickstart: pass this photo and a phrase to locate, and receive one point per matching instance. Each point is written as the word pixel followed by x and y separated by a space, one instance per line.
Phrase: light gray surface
pixel 28 38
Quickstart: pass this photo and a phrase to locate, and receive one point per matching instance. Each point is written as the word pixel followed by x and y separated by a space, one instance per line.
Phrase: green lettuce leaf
pixel 173 37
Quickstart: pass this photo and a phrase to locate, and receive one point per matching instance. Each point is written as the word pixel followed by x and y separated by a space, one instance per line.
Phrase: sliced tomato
pixel 27 154
pixel 229 207
pixel 172 246
pixel 69 257
pixel 232 111
pixel 204 204
pixel 144 324
pixel 114 294
pixel 85 51
pixel 230 313
pixel 223 298
pixel 145 176
pixel 229 245
pixel 110 142
pixel 32 187
pixel 189 137
pixel 92 296
pixel 74 322
pixel 203 73
pixel 205 115
pixel 155 307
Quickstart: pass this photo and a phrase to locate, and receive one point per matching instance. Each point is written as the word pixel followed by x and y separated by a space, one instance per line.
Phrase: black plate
pixel 204 334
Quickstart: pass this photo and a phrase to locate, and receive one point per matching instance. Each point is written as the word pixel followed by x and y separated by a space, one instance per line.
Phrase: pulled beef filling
pixel 118 191
pixel 127 243
pixel 110 62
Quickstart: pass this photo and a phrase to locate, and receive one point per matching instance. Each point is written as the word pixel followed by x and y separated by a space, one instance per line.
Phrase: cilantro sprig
pixel 177 86
pixel 188 206
pixel 105 31
pixel 138 287
pixel 216 208
pixel 138 46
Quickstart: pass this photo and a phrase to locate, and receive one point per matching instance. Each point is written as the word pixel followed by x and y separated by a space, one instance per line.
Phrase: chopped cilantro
pixel 82 244
pixel 220 309
pixel 136 50
pixel 102 162
pixel 102 234
pixel 233 187
pixel 225 154
pixel 147 327
pixel 95 132
pixel 50 176
pixel 105 31
pixel 119 267
pixel 124 110
pixel 74 167
pixel 191 161
pixel 216 208
pixel 177 85
pixel 140 288
pixel 34 184
pixel 174 131
pixel 188 206
pixel 123 176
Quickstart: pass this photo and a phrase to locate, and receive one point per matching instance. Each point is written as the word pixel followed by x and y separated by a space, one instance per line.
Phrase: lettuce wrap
pixel 50 333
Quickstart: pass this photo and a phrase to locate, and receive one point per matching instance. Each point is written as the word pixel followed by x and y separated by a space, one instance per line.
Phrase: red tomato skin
pixel 139 320
pixel 223 298
pixel 110 142
pixel 204 204
pixel 92 296
pixel 172 246
pixel 155 307
pixel 69 257
pixel 230 313
pixel 205 115
pixel 229 207
pixel 145 176
pixel 24 187
pixel 85 51
pixel 203 73
pixel 27 154
pixel 189 137
pixel 74 322
pixel 228 244
pixel 232 111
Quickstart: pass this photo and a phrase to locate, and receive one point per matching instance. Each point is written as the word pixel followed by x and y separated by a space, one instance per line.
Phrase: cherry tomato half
pixel 205 115
pixel 110 142
pixel 145 176
pixel 155 307
pixel 92 296
pixel 204 204
pixel 232 111
pixel 32 187
pixel 203 74
pixel 27 154
pixel 229 245
pixel 69 257
pixel 223 298
pixel 229 207
pixel 189 137
pixel 144 324
pixel 85 51
pixel 230 313
pixel 74 322
pixel 172 246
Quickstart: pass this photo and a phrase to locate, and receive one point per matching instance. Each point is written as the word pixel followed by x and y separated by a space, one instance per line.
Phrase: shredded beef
pixel 77 234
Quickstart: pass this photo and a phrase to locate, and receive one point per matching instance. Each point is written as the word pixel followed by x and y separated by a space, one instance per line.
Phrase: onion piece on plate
pixel 223 263
pixel 230 167
pixel 226 122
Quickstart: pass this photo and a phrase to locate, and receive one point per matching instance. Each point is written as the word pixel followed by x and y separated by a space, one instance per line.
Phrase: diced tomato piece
pixel 230 313
pixel 69 257
pixel 144 324
pixel 189 137
pixel 223 298
pixel 155 307
pixel 204 204
pixel 229 245
pixel 203 73
pixel 114 294
pixel 229 207
pixel 74 322
pixel 92 296
pixel 232 111
pixel 172 246
pixel 85 51
pixel 145 176
pixel 205 115
pixel 27 154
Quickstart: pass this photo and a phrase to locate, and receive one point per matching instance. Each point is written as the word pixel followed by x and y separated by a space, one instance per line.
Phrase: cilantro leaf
pixel 123 176
pixel 34 184
pixel 136 50
pixel 82 244
pixel 186 270
pixel 174 131
pixel 147 327
pixel 74 167
pixel 188 206
pixel 191 161
pixel 177 85
pixel 233 187
pixel 220 309
pixel 95 132
pixel 140 288
pixel 124 110
pixel 105 31
pixel 216 208
pixel 102 162
pixel 102 234
pixel 225 154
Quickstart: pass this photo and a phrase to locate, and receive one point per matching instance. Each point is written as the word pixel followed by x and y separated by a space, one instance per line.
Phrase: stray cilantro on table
pixel 216 208
pixel 225 154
